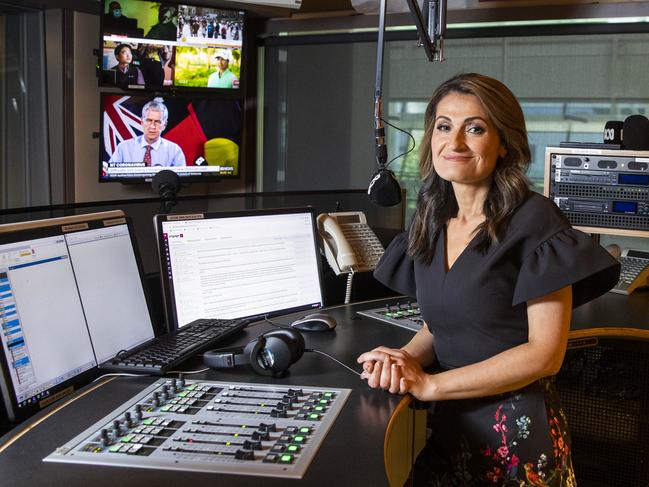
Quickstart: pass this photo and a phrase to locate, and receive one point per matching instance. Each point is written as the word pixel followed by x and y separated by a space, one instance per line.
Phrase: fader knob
pixel 128 420
pixel 104 437
pixel 156 399
pixel 138 412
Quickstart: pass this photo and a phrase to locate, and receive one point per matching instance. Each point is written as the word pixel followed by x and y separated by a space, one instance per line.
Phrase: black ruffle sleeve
pixel 396 269
pixel 569 257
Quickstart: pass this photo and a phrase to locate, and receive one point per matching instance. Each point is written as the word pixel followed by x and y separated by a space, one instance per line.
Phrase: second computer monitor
pixel 248 264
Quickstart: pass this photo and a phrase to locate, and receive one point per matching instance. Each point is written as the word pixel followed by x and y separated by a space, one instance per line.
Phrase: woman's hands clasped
pixel 396 371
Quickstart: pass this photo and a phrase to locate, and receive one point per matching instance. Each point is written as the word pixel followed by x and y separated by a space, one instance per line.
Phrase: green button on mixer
pixel 286 459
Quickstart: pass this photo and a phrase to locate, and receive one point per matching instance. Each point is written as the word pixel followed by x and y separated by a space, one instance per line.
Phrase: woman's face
pixel 465 144
pixel 124 56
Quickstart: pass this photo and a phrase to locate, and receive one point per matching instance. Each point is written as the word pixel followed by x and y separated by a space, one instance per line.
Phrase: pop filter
pixel 166 183
pixel 384 189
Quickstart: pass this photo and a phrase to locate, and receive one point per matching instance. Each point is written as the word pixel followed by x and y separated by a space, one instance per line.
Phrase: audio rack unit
pixel 600 191
pixel 218 427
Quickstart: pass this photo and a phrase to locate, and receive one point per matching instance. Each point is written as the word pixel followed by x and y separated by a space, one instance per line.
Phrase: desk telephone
pixel 350 245
pixel 634 273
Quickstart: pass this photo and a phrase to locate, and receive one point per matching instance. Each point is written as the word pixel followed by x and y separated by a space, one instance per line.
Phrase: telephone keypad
pixel 365 243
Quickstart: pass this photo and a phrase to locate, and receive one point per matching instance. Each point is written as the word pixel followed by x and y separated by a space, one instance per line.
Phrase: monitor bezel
pixel 205 178
pixel 173 87
pixel 51 228
pixel 167 290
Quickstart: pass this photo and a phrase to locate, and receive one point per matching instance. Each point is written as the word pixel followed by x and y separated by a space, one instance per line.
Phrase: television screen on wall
pixel 198 136
pixel 158 45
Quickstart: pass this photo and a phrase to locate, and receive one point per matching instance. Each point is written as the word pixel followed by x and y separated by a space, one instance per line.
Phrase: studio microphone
pixel 384 189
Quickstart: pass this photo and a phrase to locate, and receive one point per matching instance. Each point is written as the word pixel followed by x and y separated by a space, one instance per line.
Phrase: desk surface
pixel 614 315
pixel 352 453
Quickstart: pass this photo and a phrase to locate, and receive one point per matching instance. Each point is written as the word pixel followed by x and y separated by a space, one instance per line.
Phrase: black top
pixel 478 308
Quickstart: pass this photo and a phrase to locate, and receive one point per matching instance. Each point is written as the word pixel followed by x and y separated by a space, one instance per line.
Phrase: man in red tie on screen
pixel 150 148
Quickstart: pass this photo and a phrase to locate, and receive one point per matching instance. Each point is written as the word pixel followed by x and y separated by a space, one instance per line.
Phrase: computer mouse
pixel 314 322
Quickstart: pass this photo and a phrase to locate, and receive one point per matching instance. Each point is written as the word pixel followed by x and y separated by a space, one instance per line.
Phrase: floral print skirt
pixel 518 438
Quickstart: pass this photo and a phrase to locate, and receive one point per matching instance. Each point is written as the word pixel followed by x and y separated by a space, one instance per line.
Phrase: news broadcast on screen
pixel 196 136
pixel 168 45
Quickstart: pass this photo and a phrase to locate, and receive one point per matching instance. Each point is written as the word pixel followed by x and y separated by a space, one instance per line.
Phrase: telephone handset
pixel 350 244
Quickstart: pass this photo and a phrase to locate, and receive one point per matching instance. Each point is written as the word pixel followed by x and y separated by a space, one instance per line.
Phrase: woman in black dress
pixel 496 270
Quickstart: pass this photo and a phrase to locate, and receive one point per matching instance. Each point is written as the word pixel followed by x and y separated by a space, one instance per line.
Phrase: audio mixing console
pixel 405 315
pixel 205 426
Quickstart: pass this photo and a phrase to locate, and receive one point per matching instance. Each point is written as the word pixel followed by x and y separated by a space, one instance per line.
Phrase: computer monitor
pixel 164 46
pixel 248 264
pixel 198 137
pixel 71 297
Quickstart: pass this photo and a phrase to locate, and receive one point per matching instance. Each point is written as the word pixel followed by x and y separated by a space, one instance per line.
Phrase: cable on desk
pixel 332 358
pixel 187 372
pixel 121 374
pixel 33 425
pixel 277 325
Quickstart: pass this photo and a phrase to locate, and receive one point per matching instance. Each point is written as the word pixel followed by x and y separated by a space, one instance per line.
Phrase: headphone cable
pixel 277 325
pixel 332 358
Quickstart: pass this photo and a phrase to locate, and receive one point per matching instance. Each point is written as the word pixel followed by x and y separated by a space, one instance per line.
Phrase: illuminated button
pixel 314 416
pixel 324 401
pixel 329 395
pixel 299 439
pixel 320 409
pixel 165 408
pixel 305 430
pixel 293 448
pixel 115 448
pixel 148 421
pixel 286 458
pixel 126 439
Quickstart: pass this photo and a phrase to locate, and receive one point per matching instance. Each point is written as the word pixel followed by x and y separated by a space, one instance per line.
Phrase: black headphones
pixel 269 354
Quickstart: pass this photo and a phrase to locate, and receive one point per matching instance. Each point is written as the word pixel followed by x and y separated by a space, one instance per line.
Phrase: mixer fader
pixel 205 426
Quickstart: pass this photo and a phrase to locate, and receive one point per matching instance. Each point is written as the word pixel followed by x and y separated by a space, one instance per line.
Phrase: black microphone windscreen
pixel 635 133
pixel 166 183
pixel 384 189
pixel 613 132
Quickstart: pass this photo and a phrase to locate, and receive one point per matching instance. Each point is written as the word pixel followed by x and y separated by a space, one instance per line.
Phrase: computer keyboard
pixel 163 353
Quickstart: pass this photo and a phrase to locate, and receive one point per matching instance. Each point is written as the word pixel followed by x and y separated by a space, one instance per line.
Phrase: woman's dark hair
pixel 436 203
